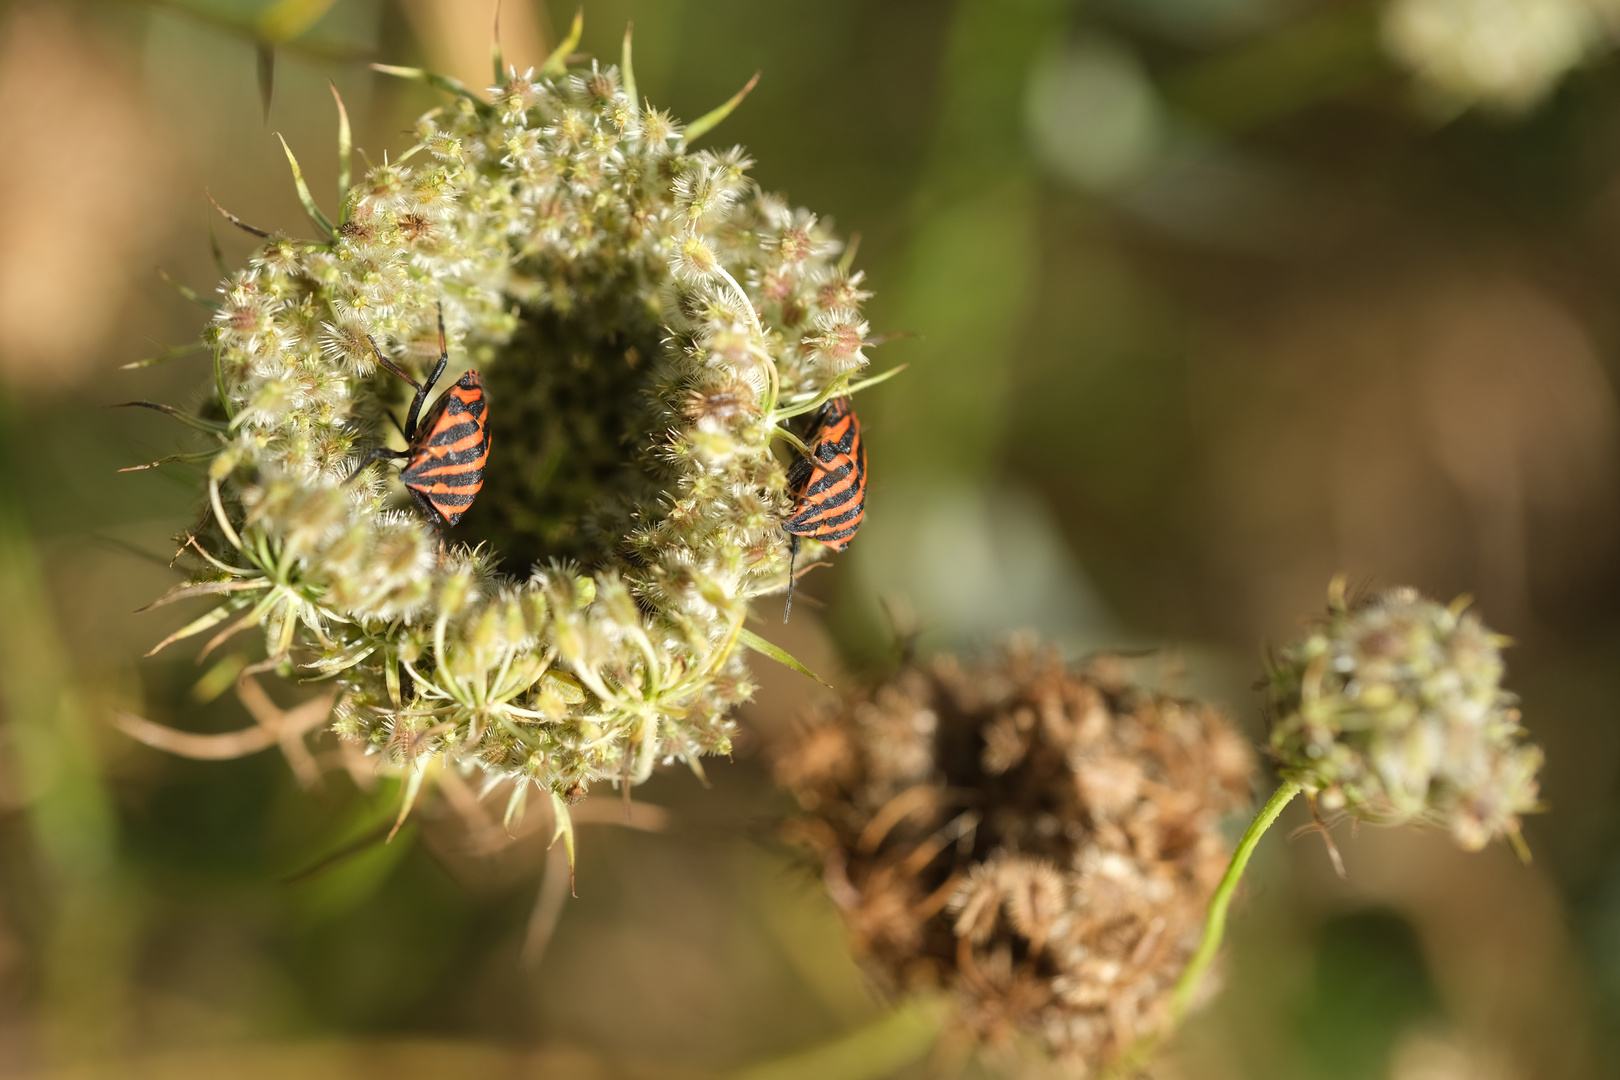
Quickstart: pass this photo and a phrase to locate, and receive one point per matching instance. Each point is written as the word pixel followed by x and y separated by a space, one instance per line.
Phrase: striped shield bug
pixel 828 487
pixel 447 446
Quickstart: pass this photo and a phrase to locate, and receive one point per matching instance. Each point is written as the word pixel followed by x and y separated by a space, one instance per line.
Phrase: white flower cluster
pixel 645 320
pixel 1503 54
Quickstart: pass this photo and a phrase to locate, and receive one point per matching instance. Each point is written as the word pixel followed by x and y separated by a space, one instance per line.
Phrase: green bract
pixel 1393 710
pixel 645 320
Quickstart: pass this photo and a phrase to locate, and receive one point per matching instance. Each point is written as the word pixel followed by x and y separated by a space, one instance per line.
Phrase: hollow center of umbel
pixel 570 467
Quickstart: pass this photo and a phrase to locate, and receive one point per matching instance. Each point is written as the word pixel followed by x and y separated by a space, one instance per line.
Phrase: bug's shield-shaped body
pixel 447 456
pixel 829 489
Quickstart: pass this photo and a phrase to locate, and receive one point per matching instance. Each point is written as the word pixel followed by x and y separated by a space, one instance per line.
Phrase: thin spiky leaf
pixel 234 220
pixel 170 460
pixel 711 119
pixel 218 679
pixel 321 221
pixel 516 807
pixel 779 654
pixel 173 353
pixel 627 71
pixel 847 260
pixel 867 384
pixel 188 292
pixel 184 417
pixel 196 626
pixel 265 60
pixel 217 252
pixel 839 387
pixel 413 788
pixel 564 829
pixel 495 48
pixel 557 63
pixel 441 82
pixel 391 677
pixel 345 154
pixel 206 588
pixel 285 20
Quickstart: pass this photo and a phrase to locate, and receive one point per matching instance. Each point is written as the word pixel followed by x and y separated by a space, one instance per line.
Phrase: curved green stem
pixel 1128 1063
pixel 1215 921
pixel 894 1040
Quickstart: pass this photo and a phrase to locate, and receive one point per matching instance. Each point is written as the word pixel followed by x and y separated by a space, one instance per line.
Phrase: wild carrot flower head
pixel 1392 710
pixel 608 279
pixel 1041 840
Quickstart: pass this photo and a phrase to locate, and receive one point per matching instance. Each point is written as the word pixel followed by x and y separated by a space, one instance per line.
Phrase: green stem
pixel 1215 921
pixel 1131 1061
pixel 890 1043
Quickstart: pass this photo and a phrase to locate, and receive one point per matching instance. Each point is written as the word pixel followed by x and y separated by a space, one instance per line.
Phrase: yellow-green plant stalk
pixel 646 321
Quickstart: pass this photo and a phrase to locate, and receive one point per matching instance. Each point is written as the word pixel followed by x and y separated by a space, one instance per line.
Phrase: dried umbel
pixel 1042 840
pixel 1392 710
pixel 646 321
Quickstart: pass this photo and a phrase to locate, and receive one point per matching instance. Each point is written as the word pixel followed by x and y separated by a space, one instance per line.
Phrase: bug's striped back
pixel 447 455
pixel 829 492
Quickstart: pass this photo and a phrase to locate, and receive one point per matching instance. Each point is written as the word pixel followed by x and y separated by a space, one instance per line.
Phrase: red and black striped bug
pixel 448 446
pixel 828 487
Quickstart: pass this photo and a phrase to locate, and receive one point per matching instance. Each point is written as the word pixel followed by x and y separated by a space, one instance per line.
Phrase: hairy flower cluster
pixel 1392 710
pixel 645 319
pixel 1041 840
pixel 1503 54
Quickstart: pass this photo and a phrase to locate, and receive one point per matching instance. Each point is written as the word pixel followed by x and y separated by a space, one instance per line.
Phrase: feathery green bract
pixel 321 221
pixel 779 654
pixel 557 63
pixel 345 155
pixel 711 119
pixel 628 72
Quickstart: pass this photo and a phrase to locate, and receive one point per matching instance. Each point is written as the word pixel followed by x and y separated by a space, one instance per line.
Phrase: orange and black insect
pixel 448 446
pixel 828 487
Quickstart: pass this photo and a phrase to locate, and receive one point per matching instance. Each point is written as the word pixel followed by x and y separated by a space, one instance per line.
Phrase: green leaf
pixel 217 252
pixel 839 387
pixel 170 460
pixel 265 56
pixel 345 154
pixel 626 71
pixel 188 292
pixel 516 806
pixel 413 788
pixel 495 48
pixel 196 626
pixel 184 417
pixel 165 356
pixel 557 63
pixel 206 588
pixel 321 221
pixel 441 82
pixel 288 19
pixel 711 119
pixel 565 829
pixel 218 678
pixel 233 219
pixel 779 654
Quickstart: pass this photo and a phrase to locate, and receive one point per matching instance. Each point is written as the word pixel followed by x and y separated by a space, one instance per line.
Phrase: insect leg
pixel 379 454
pixel 391 366
pixel 793 557
pixel 427 387
pixel 430 510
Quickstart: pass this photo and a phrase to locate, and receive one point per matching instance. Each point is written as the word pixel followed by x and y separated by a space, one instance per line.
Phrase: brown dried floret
pixel 1040 839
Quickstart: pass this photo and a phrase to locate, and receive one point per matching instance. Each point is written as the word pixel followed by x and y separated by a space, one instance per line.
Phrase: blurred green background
pixel 1213 298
